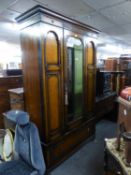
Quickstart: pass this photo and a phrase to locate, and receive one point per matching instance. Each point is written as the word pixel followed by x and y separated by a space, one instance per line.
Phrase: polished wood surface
pixel 53 80
pixel 91 76
pixel 32 76
pixel 52 56
pixel 7 83
pixel 68 143
pixel 46 81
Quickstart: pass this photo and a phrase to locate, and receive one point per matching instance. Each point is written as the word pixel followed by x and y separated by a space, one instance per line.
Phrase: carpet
pixel 89 160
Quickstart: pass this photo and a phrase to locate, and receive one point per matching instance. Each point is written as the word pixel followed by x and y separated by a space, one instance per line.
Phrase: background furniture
pixel 118 81
pixel 6 83
pixel 16 98
pixel 126 66
pixel 103 82
pixel 124 119
pixel 106 104
pixel 114 163
pixel 111 64
pixel 59 80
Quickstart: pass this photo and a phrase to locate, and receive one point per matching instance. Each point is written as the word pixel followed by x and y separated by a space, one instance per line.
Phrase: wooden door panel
pixel 53 96
pixel 52 49
pixel 54 79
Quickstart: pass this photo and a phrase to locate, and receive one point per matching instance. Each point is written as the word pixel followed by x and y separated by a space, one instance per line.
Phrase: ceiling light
pixel 92 35
pixel 15 26
pixel 11 26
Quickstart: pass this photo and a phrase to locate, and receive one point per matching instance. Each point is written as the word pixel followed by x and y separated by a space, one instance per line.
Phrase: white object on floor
pixel 6 146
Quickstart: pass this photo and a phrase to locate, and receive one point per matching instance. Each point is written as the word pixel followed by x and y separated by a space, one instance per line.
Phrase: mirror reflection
pixel 75 77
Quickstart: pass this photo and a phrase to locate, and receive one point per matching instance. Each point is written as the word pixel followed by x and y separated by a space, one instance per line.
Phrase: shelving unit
pixel 117 80
pixel 6 83
pixel 109 84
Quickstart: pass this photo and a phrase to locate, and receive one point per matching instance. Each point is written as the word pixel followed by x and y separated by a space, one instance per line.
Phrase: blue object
pixel 17 116
pixel 29 157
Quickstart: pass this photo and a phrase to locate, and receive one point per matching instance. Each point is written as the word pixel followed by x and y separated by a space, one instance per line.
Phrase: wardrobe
pixel 59 70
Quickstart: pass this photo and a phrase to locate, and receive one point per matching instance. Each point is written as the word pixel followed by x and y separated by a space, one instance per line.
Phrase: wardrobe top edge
pixel 51 13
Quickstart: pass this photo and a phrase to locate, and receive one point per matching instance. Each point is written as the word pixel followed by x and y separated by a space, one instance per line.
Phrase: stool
pixel 114 163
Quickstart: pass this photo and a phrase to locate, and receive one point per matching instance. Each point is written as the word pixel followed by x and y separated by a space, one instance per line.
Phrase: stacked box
pixel 16 98
pixel 111 64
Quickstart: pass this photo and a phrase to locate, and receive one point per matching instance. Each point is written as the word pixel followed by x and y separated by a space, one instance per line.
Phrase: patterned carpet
pixel 89 160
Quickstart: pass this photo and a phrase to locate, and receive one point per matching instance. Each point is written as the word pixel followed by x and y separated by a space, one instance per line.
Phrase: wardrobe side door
pixel 91 76
pixel 53 80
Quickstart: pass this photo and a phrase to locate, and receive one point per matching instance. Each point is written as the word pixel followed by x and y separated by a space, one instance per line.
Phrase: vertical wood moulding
pixel 46 125
pixel 91 68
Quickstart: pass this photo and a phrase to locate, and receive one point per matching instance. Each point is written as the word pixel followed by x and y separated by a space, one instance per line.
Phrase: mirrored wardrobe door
pixel 74 82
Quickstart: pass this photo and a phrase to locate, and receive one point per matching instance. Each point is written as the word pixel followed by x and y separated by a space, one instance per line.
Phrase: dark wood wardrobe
pixel 59 80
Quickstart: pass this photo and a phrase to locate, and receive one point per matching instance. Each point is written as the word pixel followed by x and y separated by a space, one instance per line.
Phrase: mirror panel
pixel 74 78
